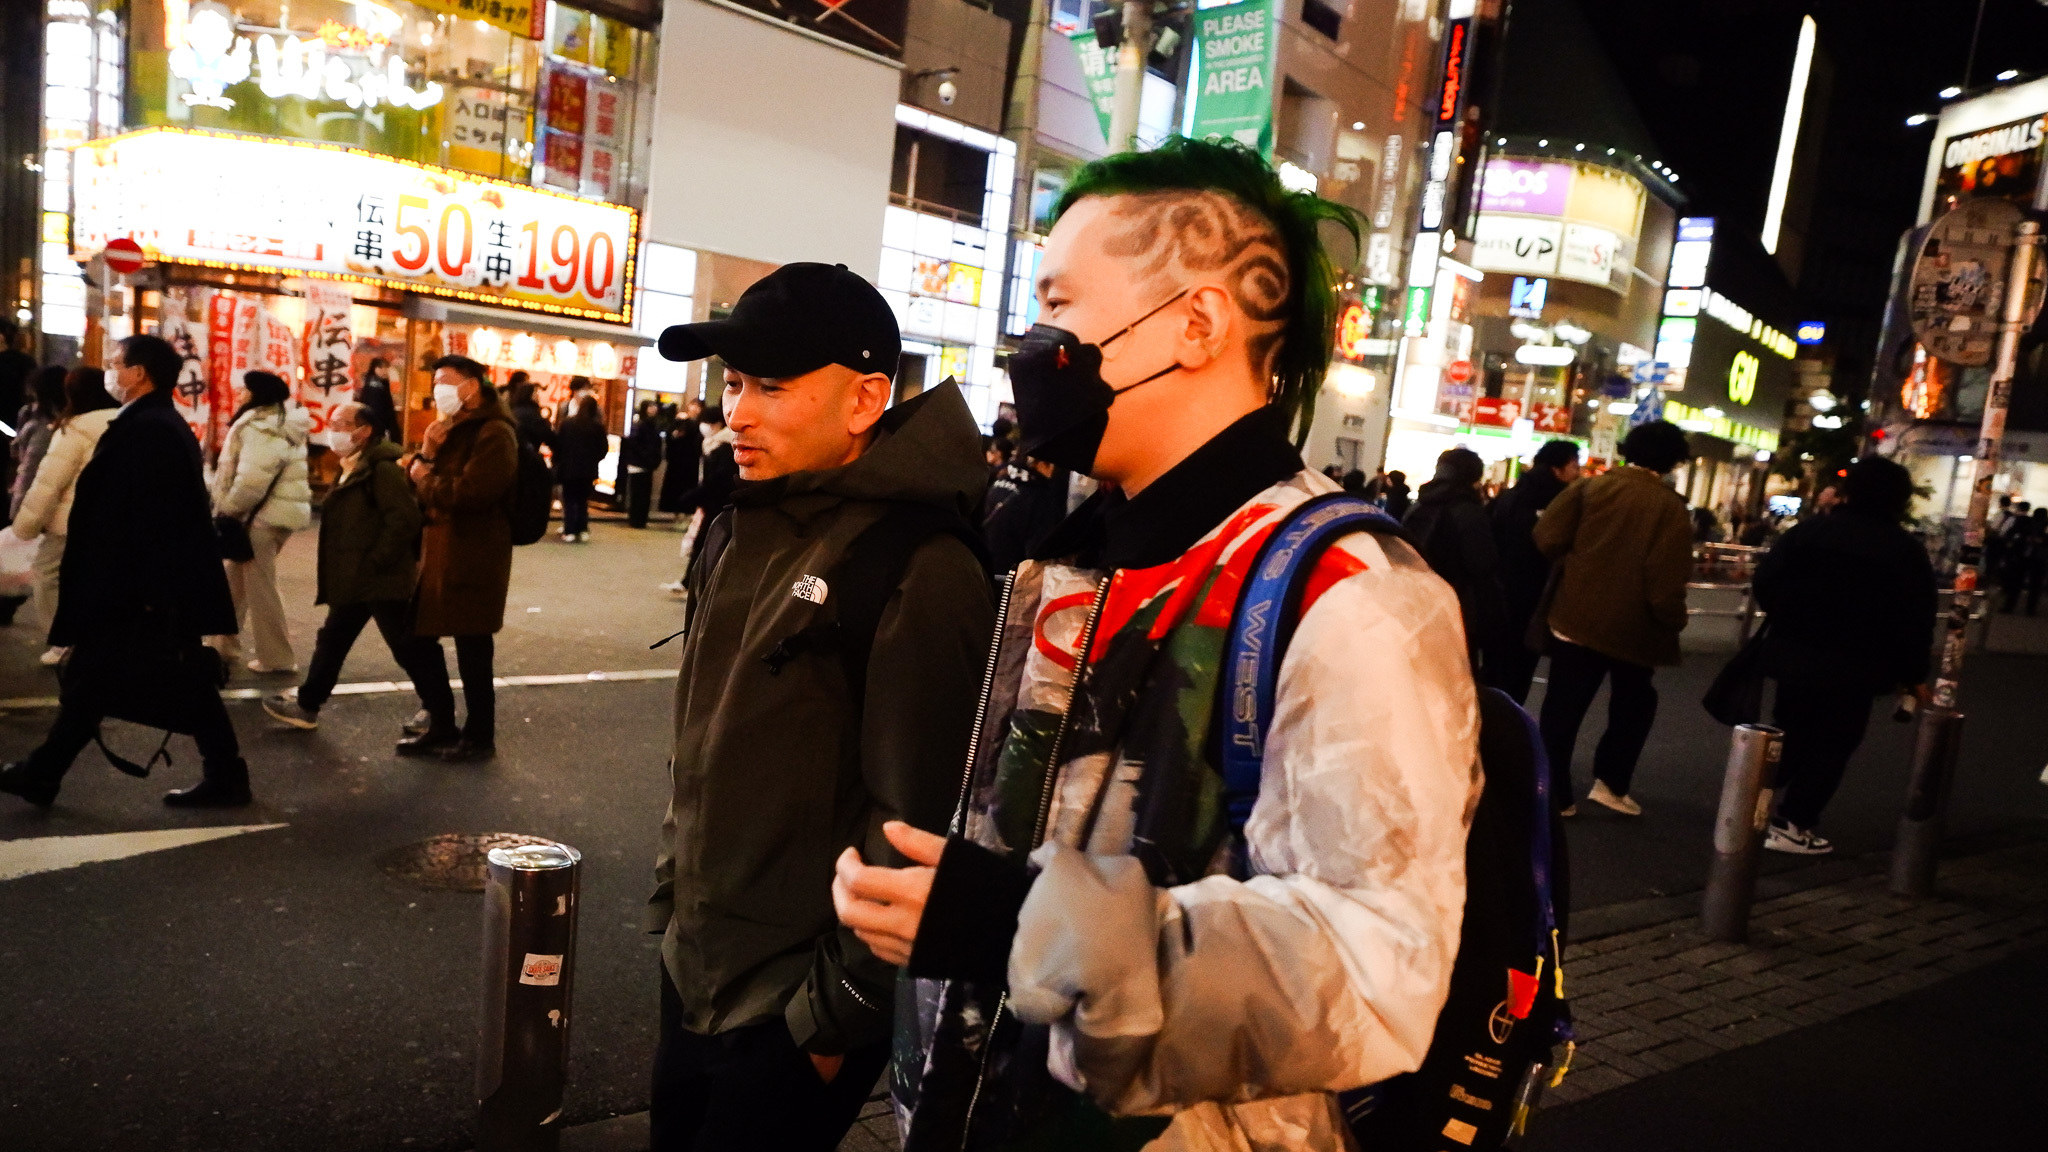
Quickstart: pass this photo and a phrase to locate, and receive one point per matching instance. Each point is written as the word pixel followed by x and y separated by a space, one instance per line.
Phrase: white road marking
pixel 26 857
pixel 373 687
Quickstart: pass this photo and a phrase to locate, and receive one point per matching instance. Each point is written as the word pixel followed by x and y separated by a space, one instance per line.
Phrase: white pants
pixel 258 607
pixel 49 558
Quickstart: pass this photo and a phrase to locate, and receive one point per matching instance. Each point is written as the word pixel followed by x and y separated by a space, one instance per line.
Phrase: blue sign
pixel 1811 332
pixel 1650 407
pixel 1526 297
pixel 1696 228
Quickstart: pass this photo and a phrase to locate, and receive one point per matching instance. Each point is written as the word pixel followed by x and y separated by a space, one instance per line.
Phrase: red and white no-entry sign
pixel 1459 371
pixel 123 255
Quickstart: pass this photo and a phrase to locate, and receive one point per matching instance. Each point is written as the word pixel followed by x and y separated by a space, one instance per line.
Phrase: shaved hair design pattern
pixel 1178 235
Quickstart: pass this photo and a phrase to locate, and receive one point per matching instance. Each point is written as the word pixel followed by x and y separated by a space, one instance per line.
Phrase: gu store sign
pixel 300 208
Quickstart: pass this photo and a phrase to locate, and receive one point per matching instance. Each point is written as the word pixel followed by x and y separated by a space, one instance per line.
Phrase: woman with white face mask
pixel 45 508
pixel 261 481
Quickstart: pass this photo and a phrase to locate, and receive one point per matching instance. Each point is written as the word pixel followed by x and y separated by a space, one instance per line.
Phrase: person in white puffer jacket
pixel 261 480
pixel 46 505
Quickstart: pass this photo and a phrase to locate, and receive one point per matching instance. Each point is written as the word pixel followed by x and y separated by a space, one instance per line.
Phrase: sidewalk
pixel 1662 998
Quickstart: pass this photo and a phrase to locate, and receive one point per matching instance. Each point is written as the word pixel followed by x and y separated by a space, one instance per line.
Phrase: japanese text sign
pixel 297 208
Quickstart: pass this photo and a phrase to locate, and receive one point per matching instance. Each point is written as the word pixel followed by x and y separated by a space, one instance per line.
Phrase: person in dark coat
pixel 581 444
pixel 2025 560
pixel 1524 570
pixel 1851 598
pixel 141 576
pixel 533 427
pixel 465 474
pixel 369 562
pixel 1027 501
pixel 375 394
pixel 1396 491
pixel 639 455
pixel 683 450
pixel 1449 524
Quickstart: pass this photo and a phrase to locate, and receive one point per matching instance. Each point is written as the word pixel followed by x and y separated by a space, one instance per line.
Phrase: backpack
pixel 533 495
pixel 1492 1047
pixel 862 580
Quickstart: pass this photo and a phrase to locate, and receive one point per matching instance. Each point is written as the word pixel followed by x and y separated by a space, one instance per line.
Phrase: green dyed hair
pixel 1309 314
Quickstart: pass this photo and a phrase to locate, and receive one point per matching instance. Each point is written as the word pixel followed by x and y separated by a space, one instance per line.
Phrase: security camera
pixel 948 91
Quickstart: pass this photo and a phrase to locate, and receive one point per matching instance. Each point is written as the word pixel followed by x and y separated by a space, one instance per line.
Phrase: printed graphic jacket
pixel 1131 989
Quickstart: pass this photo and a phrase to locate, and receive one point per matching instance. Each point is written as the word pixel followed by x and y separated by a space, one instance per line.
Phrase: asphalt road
pixel 276 990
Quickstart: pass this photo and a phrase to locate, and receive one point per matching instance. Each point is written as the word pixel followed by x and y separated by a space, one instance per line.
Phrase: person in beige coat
pixel 261 480
pixel 45 510
pixel 1624 543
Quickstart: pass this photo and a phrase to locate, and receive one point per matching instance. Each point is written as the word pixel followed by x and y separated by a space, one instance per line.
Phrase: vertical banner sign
pixel 220 362
pixel 563 94
pixel 1099 69
pixel 190 340
pixel 1445 140
pixel 327 385
pixel 1232 72
pixel 605 124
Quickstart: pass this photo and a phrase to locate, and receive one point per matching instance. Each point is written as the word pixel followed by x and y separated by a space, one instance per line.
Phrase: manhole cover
pixel 452 861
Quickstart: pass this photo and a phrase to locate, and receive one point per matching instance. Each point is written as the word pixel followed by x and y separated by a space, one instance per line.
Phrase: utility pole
pixel 1130 74
pixel 1021 121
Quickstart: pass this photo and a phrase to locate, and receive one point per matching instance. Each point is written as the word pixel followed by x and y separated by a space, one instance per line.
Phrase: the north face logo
pixel 809 588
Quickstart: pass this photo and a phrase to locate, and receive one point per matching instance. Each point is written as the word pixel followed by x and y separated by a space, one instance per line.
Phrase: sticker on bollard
pixel 529 965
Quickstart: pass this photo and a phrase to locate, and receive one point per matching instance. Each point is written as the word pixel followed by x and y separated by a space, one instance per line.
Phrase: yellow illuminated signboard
pixel 324 211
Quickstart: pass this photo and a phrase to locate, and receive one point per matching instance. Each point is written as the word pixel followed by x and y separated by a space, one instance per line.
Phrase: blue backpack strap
pixel 1267 612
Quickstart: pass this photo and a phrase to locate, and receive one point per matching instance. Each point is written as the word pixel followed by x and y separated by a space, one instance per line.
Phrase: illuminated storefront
pixel 942 263
pixel 340 192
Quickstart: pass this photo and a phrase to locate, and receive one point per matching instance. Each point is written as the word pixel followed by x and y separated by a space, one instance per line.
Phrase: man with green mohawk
pixel 1099 959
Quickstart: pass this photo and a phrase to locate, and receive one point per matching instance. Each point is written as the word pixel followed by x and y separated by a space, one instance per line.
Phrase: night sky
pixel 1709 77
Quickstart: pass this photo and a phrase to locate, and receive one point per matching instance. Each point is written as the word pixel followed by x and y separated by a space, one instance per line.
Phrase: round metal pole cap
pixel 536 857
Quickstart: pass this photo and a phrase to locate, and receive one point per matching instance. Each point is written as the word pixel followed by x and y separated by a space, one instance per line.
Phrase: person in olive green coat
pixel 369 559
pixel 1624 543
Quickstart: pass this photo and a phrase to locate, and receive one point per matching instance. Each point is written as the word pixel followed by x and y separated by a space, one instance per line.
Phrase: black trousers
pixel 750 1088
pixel 220 753
pixel 1575 676
pixel 575 506
pixel 1824 724
pixel 394 622
pixel 474 656
pixel 639 496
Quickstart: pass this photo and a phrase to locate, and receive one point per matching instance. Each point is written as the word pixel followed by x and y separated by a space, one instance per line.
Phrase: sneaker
pixel 1605 797
pixel 284 707
pixel 262 669
pixel 568 537
pixel 1784 837
pixel 583 537
pixel 675 588
pixel 52 657
pixel 420 722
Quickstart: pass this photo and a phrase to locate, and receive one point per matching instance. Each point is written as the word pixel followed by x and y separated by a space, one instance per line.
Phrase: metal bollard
pixel 529 968
pixel 1937 744
pixel 1746 791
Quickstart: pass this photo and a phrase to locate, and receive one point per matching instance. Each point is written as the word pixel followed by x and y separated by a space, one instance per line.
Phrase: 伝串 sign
pixel 321 210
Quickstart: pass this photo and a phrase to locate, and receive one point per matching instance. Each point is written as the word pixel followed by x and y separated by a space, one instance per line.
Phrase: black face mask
pixel 1062 400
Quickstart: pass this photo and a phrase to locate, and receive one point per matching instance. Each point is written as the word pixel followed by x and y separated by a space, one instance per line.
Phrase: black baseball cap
pixel 794 320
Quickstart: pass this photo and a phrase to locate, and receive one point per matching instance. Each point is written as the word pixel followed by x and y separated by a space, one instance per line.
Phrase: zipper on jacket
pixel 988 689
pixel 1059 734
pixel 981 1071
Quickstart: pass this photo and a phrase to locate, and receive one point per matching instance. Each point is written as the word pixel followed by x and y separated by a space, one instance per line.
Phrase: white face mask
pixel 340 441
pixel 447 400
pixel 114 388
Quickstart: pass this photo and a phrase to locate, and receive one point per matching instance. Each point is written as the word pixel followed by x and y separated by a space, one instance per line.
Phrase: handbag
pixel 149 676
pixel 1737 694
pixel 233 531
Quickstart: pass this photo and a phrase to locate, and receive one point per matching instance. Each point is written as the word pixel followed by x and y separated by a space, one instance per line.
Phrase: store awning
pixel 427 308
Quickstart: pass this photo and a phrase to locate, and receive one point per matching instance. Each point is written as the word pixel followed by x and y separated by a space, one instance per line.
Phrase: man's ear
pixel 870 400
pixel 1208 328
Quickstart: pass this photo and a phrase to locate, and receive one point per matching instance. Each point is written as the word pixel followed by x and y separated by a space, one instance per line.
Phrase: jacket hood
pixel 718 439
pixel 289 421
pixel 927 450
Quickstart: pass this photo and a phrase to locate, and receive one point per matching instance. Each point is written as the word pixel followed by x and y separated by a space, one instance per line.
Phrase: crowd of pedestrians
pixel 1069 934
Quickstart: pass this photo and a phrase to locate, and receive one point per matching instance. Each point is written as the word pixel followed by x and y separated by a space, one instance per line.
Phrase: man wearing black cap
pixel 838 621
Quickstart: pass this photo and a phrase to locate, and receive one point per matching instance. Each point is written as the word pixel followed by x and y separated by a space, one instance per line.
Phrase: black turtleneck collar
pixel 1183 505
